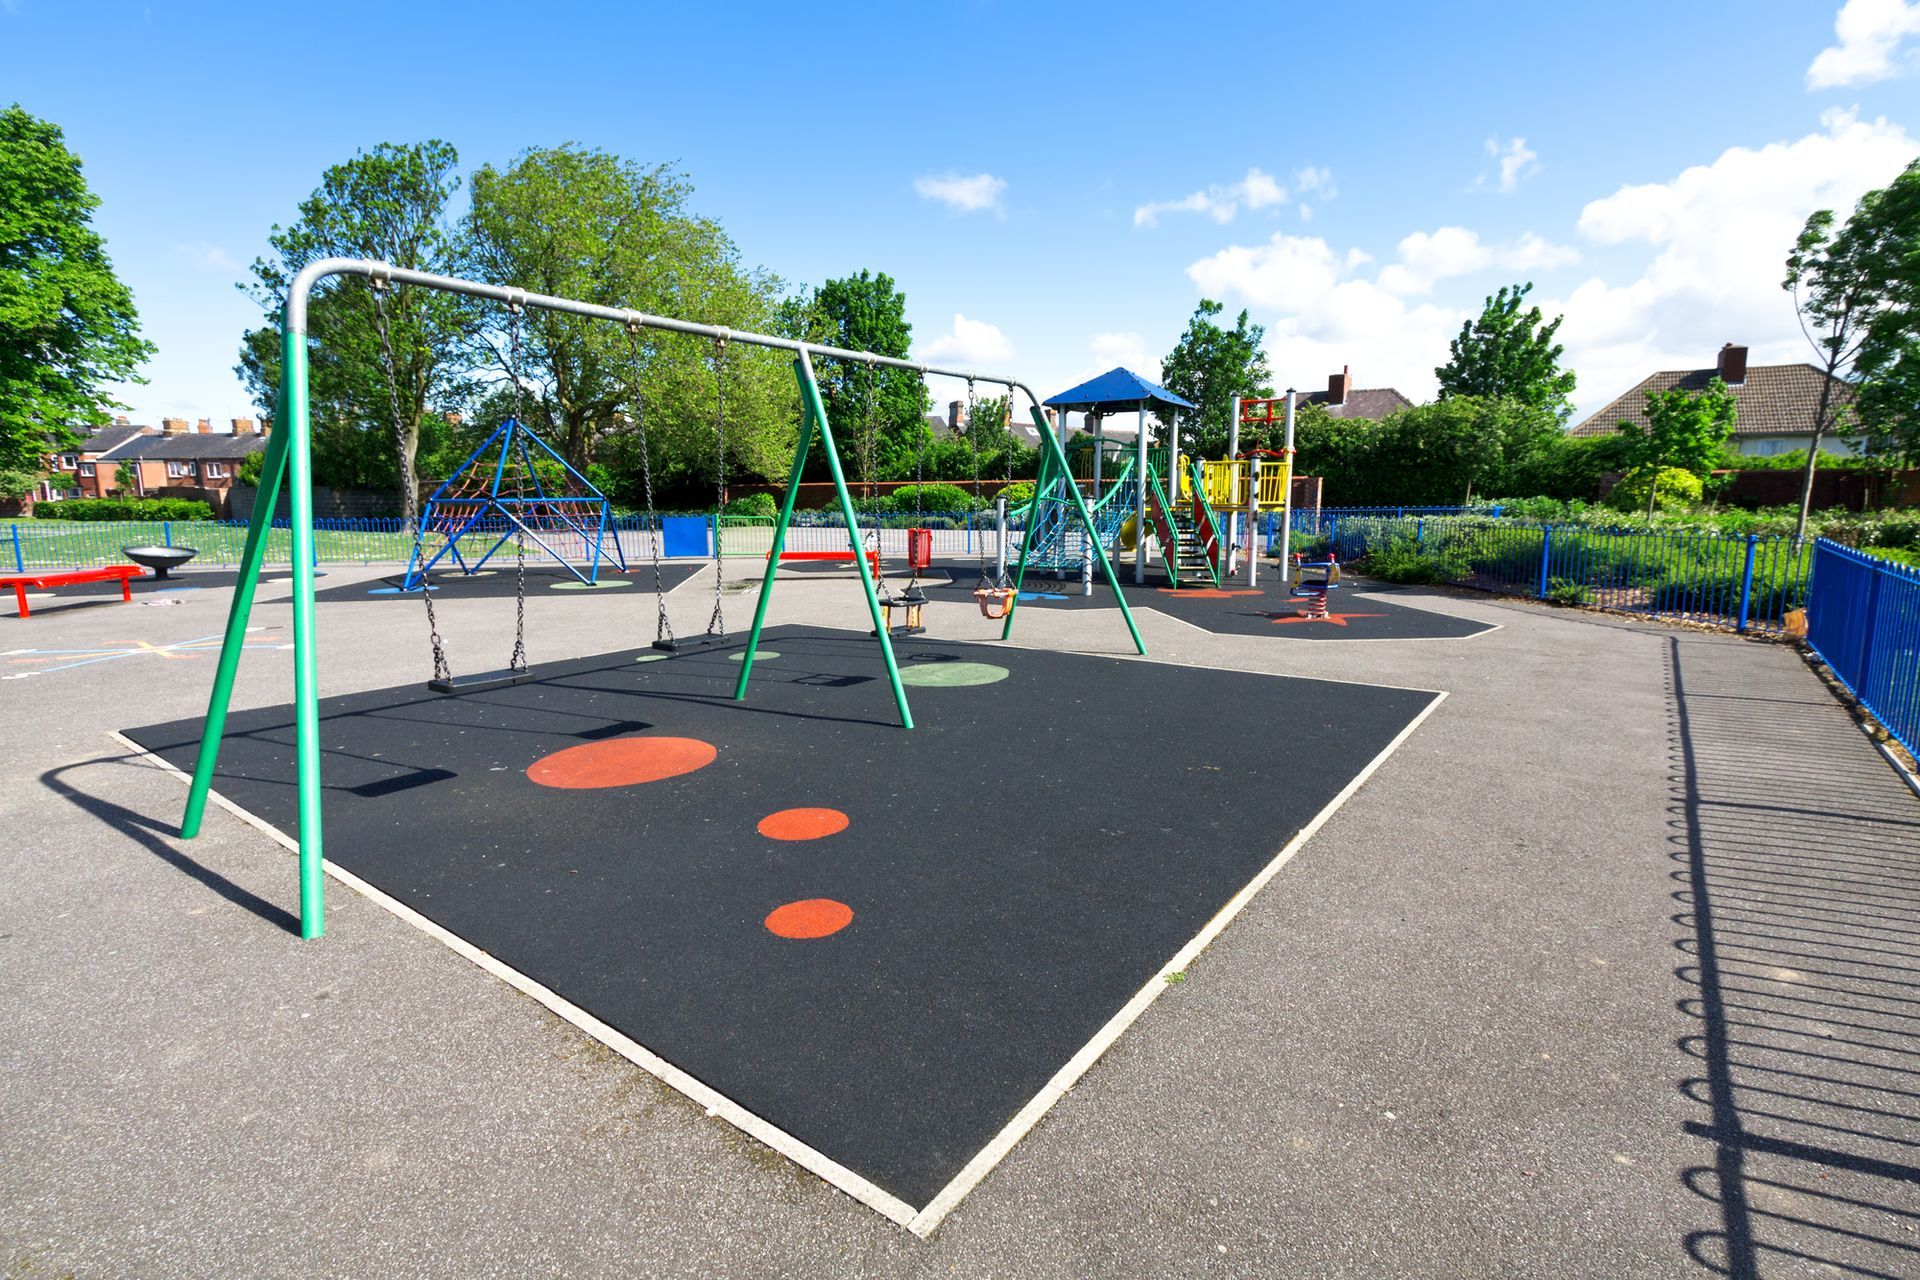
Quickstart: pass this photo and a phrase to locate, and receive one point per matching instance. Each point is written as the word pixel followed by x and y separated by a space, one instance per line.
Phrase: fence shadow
pixel 1798 884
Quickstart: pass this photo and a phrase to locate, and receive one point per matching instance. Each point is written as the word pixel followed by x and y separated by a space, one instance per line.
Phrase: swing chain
pixel 410 494
pixel 663 627
pixel 717 624
pixel 518 659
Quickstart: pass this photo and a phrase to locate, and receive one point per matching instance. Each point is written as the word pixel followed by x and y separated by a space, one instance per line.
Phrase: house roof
pixel 1776 399
pixel 111 437
pixel 1370 403
pixel 193 445
pixel 1117 390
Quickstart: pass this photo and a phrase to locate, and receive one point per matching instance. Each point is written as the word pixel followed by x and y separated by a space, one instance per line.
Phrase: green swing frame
pixel 288 463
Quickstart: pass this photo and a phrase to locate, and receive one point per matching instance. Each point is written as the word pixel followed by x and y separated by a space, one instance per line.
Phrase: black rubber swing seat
pixel 697 644
pixel 480 680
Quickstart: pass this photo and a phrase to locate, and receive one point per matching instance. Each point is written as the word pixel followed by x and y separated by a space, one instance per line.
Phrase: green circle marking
pixel 759 655
pixel 951 675
pixel 605 584
pixel 653 657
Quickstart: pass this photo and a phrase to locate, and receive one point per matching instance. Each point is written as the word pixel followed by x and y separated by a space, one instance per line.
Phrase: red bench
pixel 873 557
pixel 68 577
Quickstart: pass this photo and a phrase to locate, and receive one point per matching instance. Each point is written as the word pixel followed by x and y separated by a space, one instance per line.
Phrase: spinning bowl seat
pixel 159 559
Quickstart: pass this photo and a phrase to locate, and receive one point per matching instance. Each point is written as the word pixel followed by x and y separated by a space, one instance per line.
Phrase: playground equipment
pixel 288 459
pixel 1312 580
pixel 157 558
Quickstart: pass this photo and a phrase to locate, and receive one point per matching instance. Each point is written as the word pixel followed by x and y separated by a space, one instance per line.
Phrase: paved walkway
pixel 1605 973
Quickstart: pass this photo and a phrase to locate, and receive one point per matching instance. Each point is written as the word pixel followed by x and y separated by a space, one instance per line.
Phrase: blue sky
pixel 1054 187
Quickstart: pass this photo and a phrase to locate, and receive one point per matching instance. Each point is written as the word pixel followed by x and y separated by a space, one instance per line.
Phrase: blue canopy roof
pixel 1116 391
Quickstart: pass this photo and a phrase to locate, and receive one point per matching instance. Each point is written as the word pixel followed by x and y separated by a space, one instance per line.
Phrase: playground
pixel 1032 913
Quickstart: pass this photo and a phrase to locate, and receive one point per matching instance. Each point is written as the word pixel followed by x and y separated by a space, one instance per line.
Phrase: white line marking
pixel 927 1219
pixel 716 1104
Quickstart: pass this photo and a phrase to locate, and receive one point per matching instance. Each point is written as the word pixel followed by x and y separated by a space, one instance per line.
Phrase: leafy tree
pixel 126 479
pixel 389 204
pixel 1685 431
pixel 589 225
pixel 1507 353
pixel 1838 282
pixel 1888 402
pixel 67 324
pixel 1440 453
pixel 865 312
pixel 1210 365
pixel 16 483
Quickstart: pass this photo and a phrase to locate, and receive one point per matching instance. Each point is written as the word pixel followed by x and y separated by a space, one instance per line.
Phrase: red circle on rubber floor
pixel 802 824
pixel 809 918
pixel 621 762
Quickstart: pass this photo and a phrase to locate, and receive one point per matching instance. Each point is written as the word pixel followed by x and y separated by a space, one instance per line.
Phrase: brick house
pixel 179 463
pixel 1774 404
pixel 78 473
pixel 1344 400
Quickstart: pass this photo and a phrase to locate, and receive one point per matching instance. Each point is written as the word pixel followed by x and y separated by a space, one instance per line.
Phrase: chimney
pixel 205 428
pixel 1338 384
pixel 1732 365
pixel 121 421
pixel 243 426
pixel 173 426
pixel 956 419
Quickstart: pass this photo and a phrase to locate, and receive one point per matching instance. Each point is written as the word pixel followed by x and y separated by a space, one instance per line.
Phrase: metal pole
pixel 1746 582
pixel 1253 521
pixel 801 447
pixel 1286 507
pixel 19 561
pixel 1140 502
pixel 1233 453
pixel 1000 539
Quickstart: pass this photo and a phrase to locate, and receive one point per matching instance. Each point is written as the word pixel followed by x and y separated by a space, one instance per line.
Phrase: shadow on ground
pixel 1799 886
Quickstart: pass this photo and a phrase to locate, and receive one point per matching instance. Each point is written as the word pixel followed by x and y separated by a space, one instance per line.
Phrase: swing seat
pixel 480 681
pixel 695 644
pixel 995 602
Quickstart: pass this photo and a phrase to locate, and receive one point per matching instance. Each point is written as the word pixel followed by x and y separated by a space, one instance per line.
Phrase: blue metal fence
pixel 1863 619
pixel 1743 582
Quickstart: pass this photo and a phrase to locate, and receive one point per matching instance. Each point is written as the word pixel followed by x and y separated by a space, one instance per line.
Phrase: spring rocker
pixel 1312 580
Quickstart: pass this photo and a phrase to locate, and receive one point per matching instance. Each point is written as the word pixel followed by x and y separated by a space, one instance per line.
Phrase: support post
pixel 1140 501
pixel 1233 511
pixel 1746 582
pixel 816 414
pixel 1286 507
pixel 19 561
pixel 1056 459
pixel 1253 521
pixel 1546 559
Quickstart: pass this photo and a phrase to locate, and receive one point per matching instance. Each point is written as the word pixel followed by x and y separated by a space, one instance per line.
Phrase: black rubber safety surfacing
pixel 495 581
pixel 986 946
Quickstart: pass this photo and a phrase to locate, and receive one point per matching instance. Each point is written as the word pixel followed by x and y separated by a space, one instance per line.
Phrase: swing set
pixel 288 461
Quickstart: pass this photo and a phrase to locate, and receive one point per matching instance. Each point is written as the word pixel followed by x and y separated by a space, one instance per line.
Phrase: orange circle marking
pixel 802 824
pixel 1210 593
pixel 621 762
pixel 809 918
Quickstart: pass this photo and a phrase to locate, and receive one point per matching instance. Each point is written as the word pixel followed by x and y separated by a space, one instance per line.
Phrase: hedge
pixel 123 509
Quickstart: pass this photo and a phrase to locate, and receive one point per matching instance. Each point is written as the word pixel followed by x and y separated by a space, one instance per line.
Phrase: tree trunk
pixel 1813 456
pixel 409 477
pixel 1653 493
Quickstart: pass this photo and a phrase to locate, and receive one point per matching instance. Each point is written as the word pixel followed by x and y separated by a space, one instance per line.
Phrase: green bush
pixel 1403 560
pixel 1566 592
pixel 753 504
pixel 1018 494
pixel 17 484
pixel 1671 487
pixel 933 497
pixel 124 509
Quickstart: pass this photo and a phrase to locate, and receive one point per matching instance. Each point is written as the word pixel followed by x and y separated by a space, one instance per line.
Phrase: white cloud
pixel 970 343
pixel 1429 257
pixel 965 194
pixel 1315 181
pixel 1517 161
pixel 1869 37
pixel 1258 190
pixel 209 257
pixel 1721 233
pixel 1125 349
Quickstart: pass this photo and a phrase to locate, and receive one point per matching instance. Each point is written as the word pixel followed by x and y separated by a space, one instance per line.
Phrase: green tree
pixel 865 312
pixel 1838 283
pixel 1888 402
pixel 588 225
pixel 1685 431
pixel 67 323
pixel 1210 365
pixel 126 479
pixel 1509 354
pixel 389 204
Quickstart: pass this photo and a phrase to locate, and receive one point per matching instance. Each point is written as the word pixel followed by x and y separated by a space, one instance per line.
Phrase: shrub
pixel 1566 592
pixel 1403 560
pixel 1671 486
pixel 753 504
pixel 124 509
pixel 932 497
pixel 1018 494
pixel 17 484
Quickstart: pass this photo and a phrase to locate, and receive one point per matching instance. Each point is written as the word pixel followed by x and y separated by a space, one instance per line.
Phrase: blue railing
pixel 1314 521
pixel 1863 619
pixel 1746 583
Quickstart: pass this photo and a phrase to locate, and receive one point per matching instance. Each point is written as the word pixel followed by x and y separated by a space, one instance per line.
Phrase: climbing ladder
pixel 1192 545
